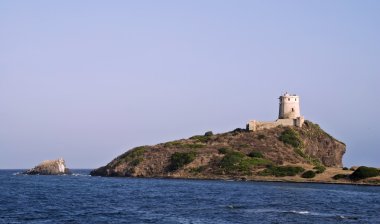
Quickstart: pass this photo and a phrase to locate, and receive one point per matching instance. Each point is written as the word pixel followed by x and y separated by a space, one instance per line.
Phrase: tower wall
pixel 289 107
pixel 289 115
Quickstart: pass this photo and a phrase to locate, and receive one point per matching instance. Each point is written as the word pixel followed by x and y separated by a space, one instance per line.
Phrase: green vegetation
pixel 238 130
pixel 311 159
pixel 179 159
pixel 315 161
pixel 255 154
pixel 173 144
pixel 282 171
pixel 136 161
pixel 178 144
pixel 340 176
pixel 316 131
pixel 291 137
pixel 364 172
pixel 193 146
pixel 319 169
pixel 224 150
pixel 308 174
pixel 201 138
pixel 133 156
pixel 198 169
pixel 209 133
pixel 236 161
pixel 344 168
pixel 231 160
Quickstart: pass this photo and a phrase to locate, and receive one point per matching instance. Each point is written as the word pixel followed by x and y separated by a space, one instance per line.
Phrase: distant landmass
pixel 299 154
pixel 288 149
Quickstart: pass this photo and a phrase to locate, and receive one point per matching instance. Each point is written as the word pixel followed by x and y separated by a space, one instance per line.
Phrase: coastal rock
pixel 50 167
pixel 204 156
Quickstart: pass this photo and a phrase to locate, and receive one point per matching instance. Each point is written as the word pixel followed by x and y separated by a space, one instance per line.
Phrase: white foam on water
pixel 81 175
pixel 301 212
pixel 236 206
pixel 298 212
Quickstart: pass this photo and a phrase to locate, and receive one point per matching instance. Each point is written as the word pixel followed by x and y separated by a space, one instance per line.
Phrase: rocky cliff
pixel 238 153
pixel 49 167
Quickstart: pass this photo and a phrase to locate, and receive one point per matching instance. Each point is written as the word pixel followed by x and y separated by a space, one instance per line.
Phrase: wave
pixel 80 175
pixel 296 212
pixel 236 207
pixel 300 212
pixel 328 215
pixel 73 174
pixel 17 173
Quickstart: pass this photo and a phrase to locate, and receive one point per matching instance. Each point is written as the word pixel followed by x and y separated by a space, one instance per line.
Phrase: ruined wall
pixel 254 125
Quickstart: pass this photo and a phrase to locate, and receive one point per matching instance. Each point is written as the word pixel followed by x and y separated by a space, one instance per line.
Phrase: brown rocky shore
pixel 291 154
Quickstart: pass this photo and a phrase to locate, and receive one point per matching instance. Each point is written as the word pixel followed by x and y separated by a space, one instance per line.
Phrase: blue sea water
pixel 80 198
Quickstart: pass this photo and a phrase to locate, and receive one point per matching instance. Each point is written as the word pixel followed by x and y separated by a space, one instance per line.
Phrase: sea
pixel 80 198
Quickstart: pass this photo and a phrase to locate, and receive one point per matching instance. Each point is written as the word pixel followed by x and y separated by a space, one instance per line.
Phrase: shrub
pixel 136 162
pixel 311 159
pixel 344 168
pixel 193 146
pixel 340 176
pixel 198 169
pixel 282 171
pixel 319 169
pixel 179 159
pixel 255 154
pixel 248 163
pixel 178 144
pixel 261 136
pixel 291 137
pixel 238 130
pixel 308 174
pixel 173 144
pixel 133 154
pixel 231 160
pixel 136 152
pixel 209 133
pixel 316 131
pixel 237 161
pixel 364 172
pixel 224 150
pixel 201 138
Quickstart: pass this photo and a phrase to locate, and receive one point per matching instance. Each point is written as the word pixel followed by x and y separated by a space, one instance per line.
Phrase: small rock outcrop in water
pixel 49 167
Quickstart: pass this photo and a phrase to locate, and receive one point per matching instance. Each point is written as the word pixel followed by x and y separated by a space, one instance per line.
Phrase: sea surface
pixel 80 198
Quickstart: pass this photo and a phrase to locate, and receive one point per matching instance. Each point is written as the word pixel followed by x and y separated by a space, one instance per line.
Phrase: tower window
pixel 292 109
pixel 288 99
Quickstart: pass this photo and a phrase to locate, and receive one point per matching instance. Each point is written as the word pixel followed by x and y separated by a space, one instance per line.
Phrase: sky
pixel 88 80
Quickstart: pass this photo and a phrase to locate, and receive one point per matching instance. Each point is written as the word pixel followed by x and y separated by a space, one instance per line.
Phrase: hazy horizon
pixel 88 80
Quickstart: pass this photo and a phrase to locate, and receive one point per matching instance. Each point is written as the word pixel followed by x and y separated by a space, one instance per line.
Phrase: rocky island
pixel 49 167
pixel 288 149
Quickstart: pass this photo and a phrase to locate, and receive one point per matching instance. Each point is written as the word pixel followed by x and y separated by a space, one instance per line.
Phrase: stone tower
pixel 289 107
pixel 289 115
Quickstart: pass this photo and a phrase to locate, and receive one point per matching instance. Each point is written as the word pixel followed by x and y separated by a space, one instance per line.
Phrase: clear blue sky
pixel 88 80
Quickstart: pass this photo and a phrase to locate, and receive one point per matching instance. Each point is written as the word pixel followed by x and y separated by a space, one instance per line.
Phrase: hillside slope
pixel 231 155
